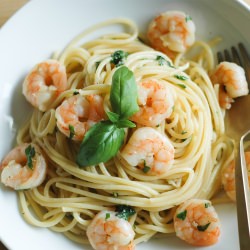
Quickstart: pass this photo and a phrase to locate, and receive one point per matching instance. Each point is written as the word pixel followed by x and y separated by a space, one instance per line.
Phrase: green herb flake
pixel 30 153
pixel 107 216
pixel 182 215
pixel 161 61
pixel 145 167
pixel 72 131
pixel 188 18
pixel 115 194
pixel 180 77
pixel 183 132
pixel 119 57
pixel 76 93
pixel 182 85
pixel 204 227
pixel 124 211
pixel 207 205
pixel 97 64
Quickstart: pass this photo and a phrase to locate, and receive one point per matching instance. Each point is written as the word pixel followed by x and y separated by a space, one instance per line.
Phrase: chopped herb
pixel 180 77
pixel 119 57
pixel 72 131
pixel 115 195
pixel 124 211
pixel 76 93
pixel 182 85
pixel 107 216
pixel 188 18
pixel 161 61
pixel 158 125
pixel 30 153
pixel 134 226
pixel 97 64
pixel 182 215
pixel 203 228
pixel 183 132
pixel 207 205
pixel 145 168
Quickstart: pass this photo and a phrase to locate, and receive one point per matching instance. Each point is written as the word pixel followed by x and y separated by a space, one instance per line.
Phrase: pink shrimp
pixel 171 32
pixel 109 232
pixel 23 167
pixel 45 81
pixel 78 113
pixel 197 223
pixel 149 150
pixel 232 80
pixel 156 103
pixel 228 177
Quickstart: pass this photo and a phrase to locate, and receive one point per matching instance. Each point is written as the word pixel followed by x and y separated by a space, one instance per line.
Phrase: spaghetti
pixel 70 196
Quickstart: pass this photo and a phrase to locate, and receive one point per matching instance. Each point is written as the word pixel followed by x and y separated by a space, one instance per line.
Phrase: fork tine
pixel 236 57
pixel 219 57
pixel 227 56
pixel 246 61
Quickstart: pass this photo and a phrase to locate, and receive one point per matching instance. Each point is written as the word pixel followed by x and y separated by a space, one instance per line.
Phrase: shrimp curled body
pixel 156 102
pixel 171 32
pixel 228 177
pixel 17 174
pixel 197 223
pixel 45 82
pixel 109 232
pixel 149 150
pixel 232 80
pixel 78 113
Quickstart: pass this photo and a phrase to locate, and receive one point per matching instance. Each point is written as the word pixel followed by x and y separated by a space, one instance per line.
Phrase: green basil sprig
pixel 104 139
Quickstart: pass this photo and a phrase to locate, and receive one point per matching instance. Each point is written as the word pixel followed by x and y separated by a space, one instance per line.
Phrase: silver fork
pixel 237 122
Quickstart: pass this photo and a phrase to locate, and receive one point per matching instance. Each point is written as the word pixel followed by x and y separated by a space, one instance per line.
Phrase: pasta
pixel 70 196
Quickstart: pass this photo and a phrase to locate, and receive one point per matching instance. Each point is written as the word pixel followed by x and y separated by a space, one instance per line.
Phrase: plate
pixel 42 27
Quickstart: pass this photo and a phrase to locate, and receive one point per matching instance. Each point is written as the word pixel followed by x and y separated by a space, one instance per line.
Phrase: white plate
pixel 42 27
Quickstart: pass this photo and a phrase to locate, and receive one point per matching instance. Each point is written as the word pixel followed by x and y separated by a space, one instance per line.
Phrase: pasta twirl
pixel 70 196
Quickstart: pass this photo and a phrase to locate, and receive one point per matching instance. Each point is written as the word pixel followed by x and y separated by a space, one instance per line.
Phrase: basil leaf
pixel 113 117
pixel 101 143
pixel 123 93
pixel 30 153
pixel 125 124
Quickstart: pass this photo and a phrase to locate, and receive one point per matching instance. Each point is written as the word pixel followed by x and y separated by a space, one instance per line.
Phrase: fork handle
pixel 242 197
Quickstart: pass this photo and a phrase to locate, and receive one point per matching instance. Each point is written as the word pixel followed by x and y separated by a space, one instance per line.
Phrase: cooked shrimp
pixel 23 167
pixel 197 223
pixel 171 32
pixel 233 80
pixel 149 150
pixel 109 232
pixel 156 102
pixel 78 113
pixel 45 81
pixel 228 177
